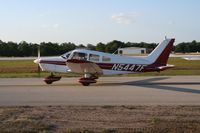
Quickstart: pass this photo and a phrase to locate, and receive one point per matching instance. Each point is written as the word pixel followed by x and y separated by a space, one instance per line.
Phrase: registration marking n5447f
pixel 128 67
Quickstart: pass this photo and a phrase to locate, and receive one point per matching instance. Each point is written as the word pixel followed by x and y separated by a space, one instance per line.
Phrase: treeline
pixel 187 47
pixel 24 49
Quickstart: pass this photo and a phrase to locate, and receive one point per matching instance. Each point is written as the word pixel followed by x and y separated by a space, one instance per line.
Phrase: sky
pixel 93 21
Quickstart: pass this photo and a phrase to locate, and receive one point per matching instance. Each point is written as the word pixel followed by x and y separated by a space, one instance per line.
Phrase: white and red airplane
pixel 92 64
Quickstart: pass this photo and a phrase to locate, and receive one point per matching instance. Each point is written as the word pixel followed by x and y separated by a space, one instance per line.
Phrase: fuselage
pixel 110 63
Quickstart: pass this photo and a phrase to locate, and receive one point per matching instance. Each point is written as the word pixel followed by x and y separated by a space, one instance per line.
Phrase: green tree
pixel 49 49
pixel 24 49
pixel 180 48
pixel 34 49
pixel 2 48
pixel 81 46
pixel 11 49
pixel 100 47
pixel 111 47
pixel 66 47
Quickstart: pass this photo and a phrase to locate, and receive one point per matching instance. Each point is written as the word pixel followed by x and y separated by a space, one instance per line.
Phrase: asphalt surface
pixel 167 90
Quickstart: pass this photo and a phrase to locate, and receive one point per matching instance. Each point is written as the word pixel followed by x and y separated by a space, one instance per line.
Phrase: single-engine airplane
pixel 92 64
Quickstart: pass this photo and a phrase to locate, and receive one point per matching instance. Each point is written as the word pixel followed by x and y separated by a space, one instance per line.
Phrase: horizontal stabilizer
pixel 161 68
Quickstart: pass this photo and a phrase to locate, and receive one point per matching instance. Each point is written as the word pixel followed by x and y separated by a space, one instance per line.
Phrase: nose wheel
pixel 50 79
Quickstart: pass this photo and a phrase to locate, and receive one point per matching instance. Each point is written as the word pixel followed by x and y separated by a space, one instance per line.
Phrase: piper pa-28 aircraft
pixel 92 64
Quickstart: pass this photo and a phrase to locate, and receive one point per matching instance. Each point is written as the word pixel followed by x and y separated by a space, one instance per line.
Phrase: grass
pixel 22 69
pixel 18 66
pixel 92 119
pixel 11 120
pixel 26 68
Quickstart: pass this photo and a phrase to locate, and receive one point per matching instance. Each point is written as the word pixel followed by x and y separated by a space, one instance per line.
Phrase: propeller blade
pixel 39 69
pixel 38 51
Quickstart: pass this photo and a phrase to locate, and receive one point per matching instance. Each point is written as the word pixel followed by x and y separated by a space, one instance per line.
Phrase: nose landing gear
pixel 52 78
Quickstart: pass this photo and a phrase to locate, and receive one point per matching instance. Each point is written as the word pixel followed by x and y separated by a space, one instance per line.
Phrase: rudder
pixel 159 56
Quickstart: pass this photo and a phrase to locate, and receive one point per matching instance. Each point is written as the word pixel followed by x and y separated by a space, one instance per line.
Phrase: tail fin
pixel 159 56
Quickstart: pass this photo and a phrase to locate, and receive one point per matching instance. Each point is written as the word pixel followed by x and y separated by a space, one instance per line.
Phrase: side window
pixel 67 55
pixel 94 57
pixel 106 59
pixel 79 56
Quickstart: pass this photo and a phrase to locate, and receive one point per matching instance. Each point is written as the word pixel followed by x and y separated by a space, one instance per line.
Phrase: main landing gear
pixel 88 79
pixel 52 78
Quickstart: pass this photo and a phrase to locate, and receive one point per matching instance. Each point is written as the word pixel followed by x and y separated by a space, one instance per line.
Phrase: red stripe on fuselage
pixel 63 63
pixel 119 66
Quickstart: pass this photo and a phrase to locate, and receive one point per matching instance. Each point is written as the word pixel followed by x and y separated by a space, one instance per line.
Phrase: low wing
pixel 83 67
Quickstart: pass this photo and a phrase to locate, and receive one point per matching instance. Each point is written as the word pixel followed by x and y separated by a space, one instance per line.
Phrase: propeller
pixel 37 61
pixel 38 51
pixel 39 70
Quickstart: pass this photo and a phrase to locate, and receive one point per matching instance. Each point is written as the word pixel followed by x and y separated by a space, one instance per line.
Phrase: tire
pixel 48 82
pixel 85 84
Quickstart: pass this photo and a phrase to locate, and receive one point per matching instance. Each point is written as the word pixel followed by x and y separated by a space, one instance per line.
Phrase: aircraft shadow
pixel 151 84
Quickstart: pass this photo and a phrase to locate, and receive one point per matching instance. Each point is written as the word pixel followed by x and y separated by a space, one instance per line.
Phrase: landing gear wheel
pixel 50 79
pixel 48 82
pixel 87 81
pixel 85 84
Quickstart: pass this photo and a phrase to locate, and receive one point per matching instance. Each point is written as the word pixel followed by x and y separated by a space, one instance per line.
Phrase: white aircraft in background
pixel 92 64
pixel 192 57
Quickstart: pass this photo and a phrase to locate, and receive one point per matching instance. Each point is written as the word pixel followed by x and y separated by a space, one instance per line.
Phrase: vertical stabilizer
pixel 159 56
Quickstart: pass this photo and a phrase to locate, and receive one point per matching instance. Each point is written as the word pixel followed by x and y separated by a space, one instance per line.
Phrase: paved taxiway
pixel 167 90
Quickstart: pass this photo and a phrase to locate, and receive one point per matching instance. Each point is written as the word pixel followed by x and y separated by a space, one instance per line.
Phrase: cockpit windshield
pixel 66 55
